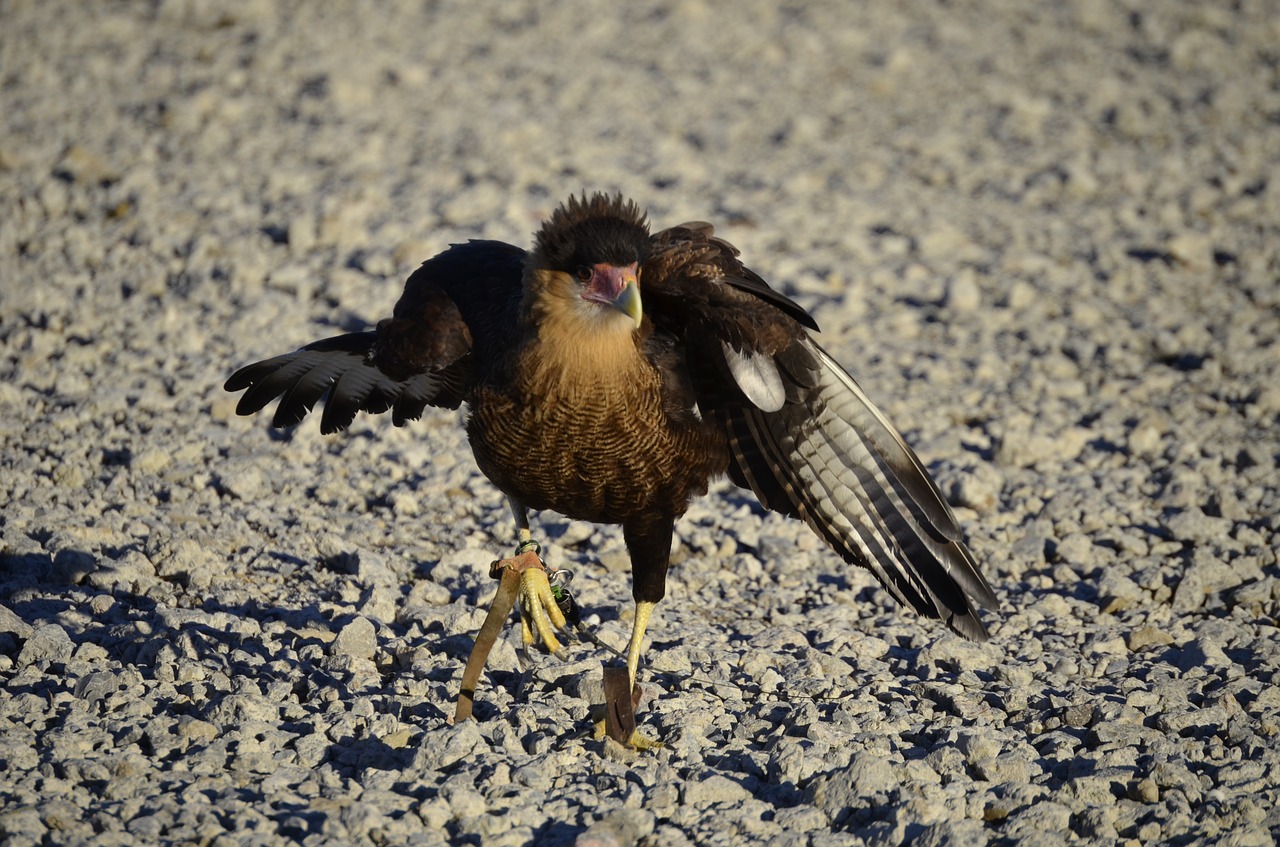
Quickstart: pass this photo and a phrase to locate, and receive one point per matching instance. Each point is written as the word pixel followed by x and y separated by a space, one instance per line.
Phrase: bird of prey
pixel 610 373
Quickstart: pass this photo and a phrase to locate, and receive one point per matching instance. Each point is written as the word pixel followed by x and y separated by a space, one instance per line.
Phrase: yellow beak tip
pixel 628 302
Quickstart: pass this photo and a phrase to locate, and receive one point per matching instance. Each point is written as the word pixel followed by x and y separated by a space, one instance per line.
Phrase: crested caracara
pixel 610 373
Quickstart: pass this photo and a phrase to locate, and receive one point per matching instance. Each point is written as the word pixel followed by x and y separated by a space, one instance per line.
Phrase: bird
pixel 610 373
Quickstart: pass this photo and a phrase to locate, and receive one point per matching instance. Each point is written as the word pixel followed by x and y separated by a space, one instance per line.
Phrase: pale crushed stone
pixel 1044 238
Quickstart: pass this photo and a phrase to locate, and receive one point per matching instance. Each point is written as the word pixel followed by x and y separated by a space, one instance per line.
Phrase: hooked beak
pixel 617 287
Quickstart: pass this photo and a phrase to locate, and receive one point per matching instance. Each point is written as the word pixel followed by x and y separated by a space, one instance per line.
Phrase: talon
pixel 539 612
pixel 639 741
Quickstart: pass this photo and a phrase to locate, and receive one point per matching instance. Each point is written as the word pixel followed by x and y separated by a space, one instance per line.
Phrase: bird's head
pixel 587 258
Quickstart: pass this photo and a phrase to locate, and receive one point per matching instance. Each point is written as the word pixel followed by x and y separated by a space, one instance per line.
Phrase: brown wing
pixel 444 332
pixel 802 434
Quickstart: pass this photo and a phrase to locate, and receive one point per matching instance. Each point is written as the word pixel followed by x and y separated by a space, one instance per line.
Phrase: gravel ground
pixel 1045 238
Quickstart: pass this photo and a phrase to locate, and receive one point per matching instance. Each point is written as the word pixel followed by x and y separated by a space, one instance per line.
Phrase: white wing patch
pixel 757 376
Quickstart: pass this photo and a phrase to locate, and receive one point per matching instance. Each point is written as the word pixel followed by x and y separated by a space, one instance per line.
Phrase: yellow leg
pixel 622 726
pixel 643 611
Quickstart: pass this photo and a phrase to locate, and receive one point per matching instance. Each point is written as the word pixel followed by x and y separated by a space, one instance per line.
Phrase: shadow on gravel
pixel 360 754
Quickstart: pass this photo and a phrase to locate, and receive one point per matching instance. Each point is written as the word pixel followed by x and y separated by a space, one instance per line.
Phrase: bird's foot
pixel 636 741
pixel 621 696
pixel 540 611
pixel 523 579
pixel 640 741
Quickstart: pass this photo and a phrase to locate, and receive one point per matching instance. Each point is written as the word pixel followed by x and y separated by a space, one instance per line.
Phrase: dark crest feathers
pixel 586 230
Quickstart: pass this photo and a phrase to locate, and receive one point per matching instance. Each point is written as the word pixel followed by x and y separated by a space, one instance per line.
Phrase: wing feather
pixel 340 371
pixel 757 376
pixel 859 486
pixel 455 310
pixel 802 434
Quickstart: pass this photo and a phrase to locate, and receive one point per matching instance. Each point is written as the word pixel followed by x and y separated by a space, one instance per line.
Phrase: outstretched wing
pixel 801 433
pixel 342 368
pixel 427 353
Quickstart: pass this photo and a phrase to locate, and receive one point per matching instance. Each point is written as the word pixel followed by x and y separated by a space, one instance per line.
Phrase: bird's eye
pixel 583 273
